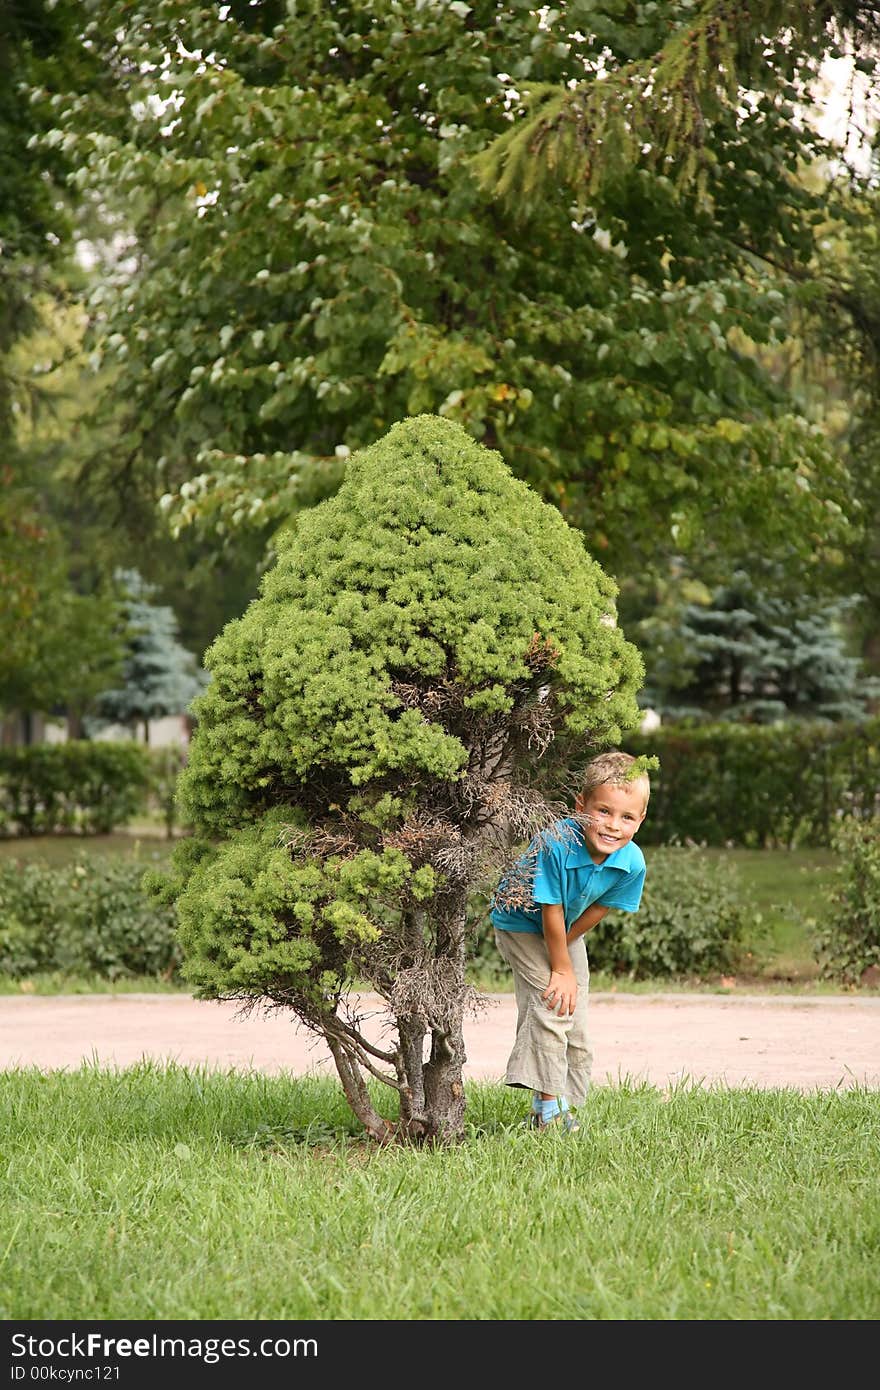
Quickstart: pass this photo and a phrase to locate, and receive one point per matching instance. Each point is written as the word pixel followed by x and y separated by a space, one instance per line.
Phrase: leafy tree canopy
pixel 846 311
pixel 57 646
pixel 317 257
pixel 42 55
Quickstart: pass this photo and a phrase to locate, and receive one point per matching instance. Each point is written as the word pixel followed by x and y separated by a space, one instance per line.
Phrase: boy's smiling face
pixel 609 816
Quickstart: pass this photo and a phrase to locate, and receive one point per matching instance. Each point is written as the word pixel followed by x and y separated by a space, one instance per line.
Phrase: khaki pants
pixel 550 1054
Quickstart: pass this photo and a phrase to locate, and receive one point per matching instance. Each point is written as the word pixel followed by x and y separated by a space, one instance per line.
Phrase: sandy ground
pixel 662 1039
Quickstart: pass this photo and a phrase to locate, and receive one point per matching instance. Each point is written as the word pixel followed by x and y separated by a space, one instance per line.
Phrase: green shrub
pixel 76 786
pixel 848 941
pixel 411 653
pixel 761 786
pixel 29 909
pixel 694 920
pixel 93 917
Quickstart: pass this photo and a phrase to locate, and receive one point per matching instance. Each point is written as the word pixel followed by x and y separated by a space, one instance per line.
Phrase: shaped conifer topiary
pixel 425 635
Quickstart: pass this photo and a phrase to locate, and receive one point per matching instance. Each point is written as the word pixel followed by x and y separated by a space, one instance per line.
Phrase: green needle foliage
pixel 660 103
pixel 425 635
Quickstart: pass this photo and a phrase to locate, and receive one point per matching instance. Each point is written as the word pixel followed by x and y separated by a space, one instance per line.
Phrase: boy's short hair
pixel 613 767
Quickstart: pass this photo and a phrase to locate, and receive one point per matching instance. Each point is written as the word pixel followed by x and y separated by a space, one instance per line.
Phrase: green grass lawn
pixel 172 1193
pixel 54 982
pixel 58 850
pixel 788 888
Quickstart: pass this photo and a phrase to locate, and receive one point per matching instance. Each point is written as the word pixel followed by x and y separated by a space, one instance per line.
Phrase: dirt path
pixel 805 1043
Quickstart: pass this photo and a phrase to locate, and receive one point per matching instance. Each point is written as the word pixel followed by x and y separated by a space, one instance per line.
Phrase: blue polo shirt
pixel 557 868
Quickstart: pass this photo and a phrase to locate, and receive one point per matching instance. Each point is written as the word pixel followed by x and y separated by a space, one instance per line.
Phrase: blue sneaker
pixel 569 1119
pixel 553 1114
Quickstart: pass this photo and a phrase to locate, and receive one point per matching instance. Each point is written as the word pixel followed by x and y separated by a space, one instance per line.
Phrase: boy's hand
pixel 562 992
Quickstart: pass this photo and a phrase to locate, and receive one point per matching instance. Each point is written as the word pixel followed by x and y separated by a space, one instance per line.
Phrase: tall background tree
pixel 677 102
pixel 43 611
pixel 59 544
pixel 589 233
pixel 319 252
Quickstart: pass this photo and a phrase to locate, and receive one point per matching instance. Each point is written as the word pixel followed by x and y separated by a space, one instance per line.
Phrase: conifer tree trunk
pixel 444 1085
pixel 355 1089
pixel 412 1031
pixel 432 1102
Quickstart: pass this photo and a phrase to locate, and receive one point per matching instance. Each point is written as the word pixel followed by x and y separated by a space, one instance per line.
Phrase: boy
pixel 565 884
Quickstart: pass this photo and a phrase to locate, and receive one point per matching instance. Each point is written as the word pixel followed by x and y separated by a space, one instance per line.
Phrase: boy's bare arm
pixel 561 992
pixel 587 920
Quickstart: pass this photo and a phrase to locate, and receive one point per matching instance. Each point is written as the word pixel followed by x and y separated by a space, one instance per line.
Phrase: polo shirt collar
pixel 579 856
pixel 623 858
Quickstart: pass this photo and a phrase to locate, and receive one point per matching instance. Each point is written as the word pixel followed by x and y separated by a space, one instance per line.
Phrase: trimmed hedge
pixel 76 786
pixel 761 786
pixel 695 919
pixel 90 918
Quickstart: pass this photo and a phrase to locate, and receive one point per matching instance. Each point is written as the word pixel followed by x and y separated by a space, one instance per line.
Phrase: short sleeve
pixel 627 894
pixel 548 875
